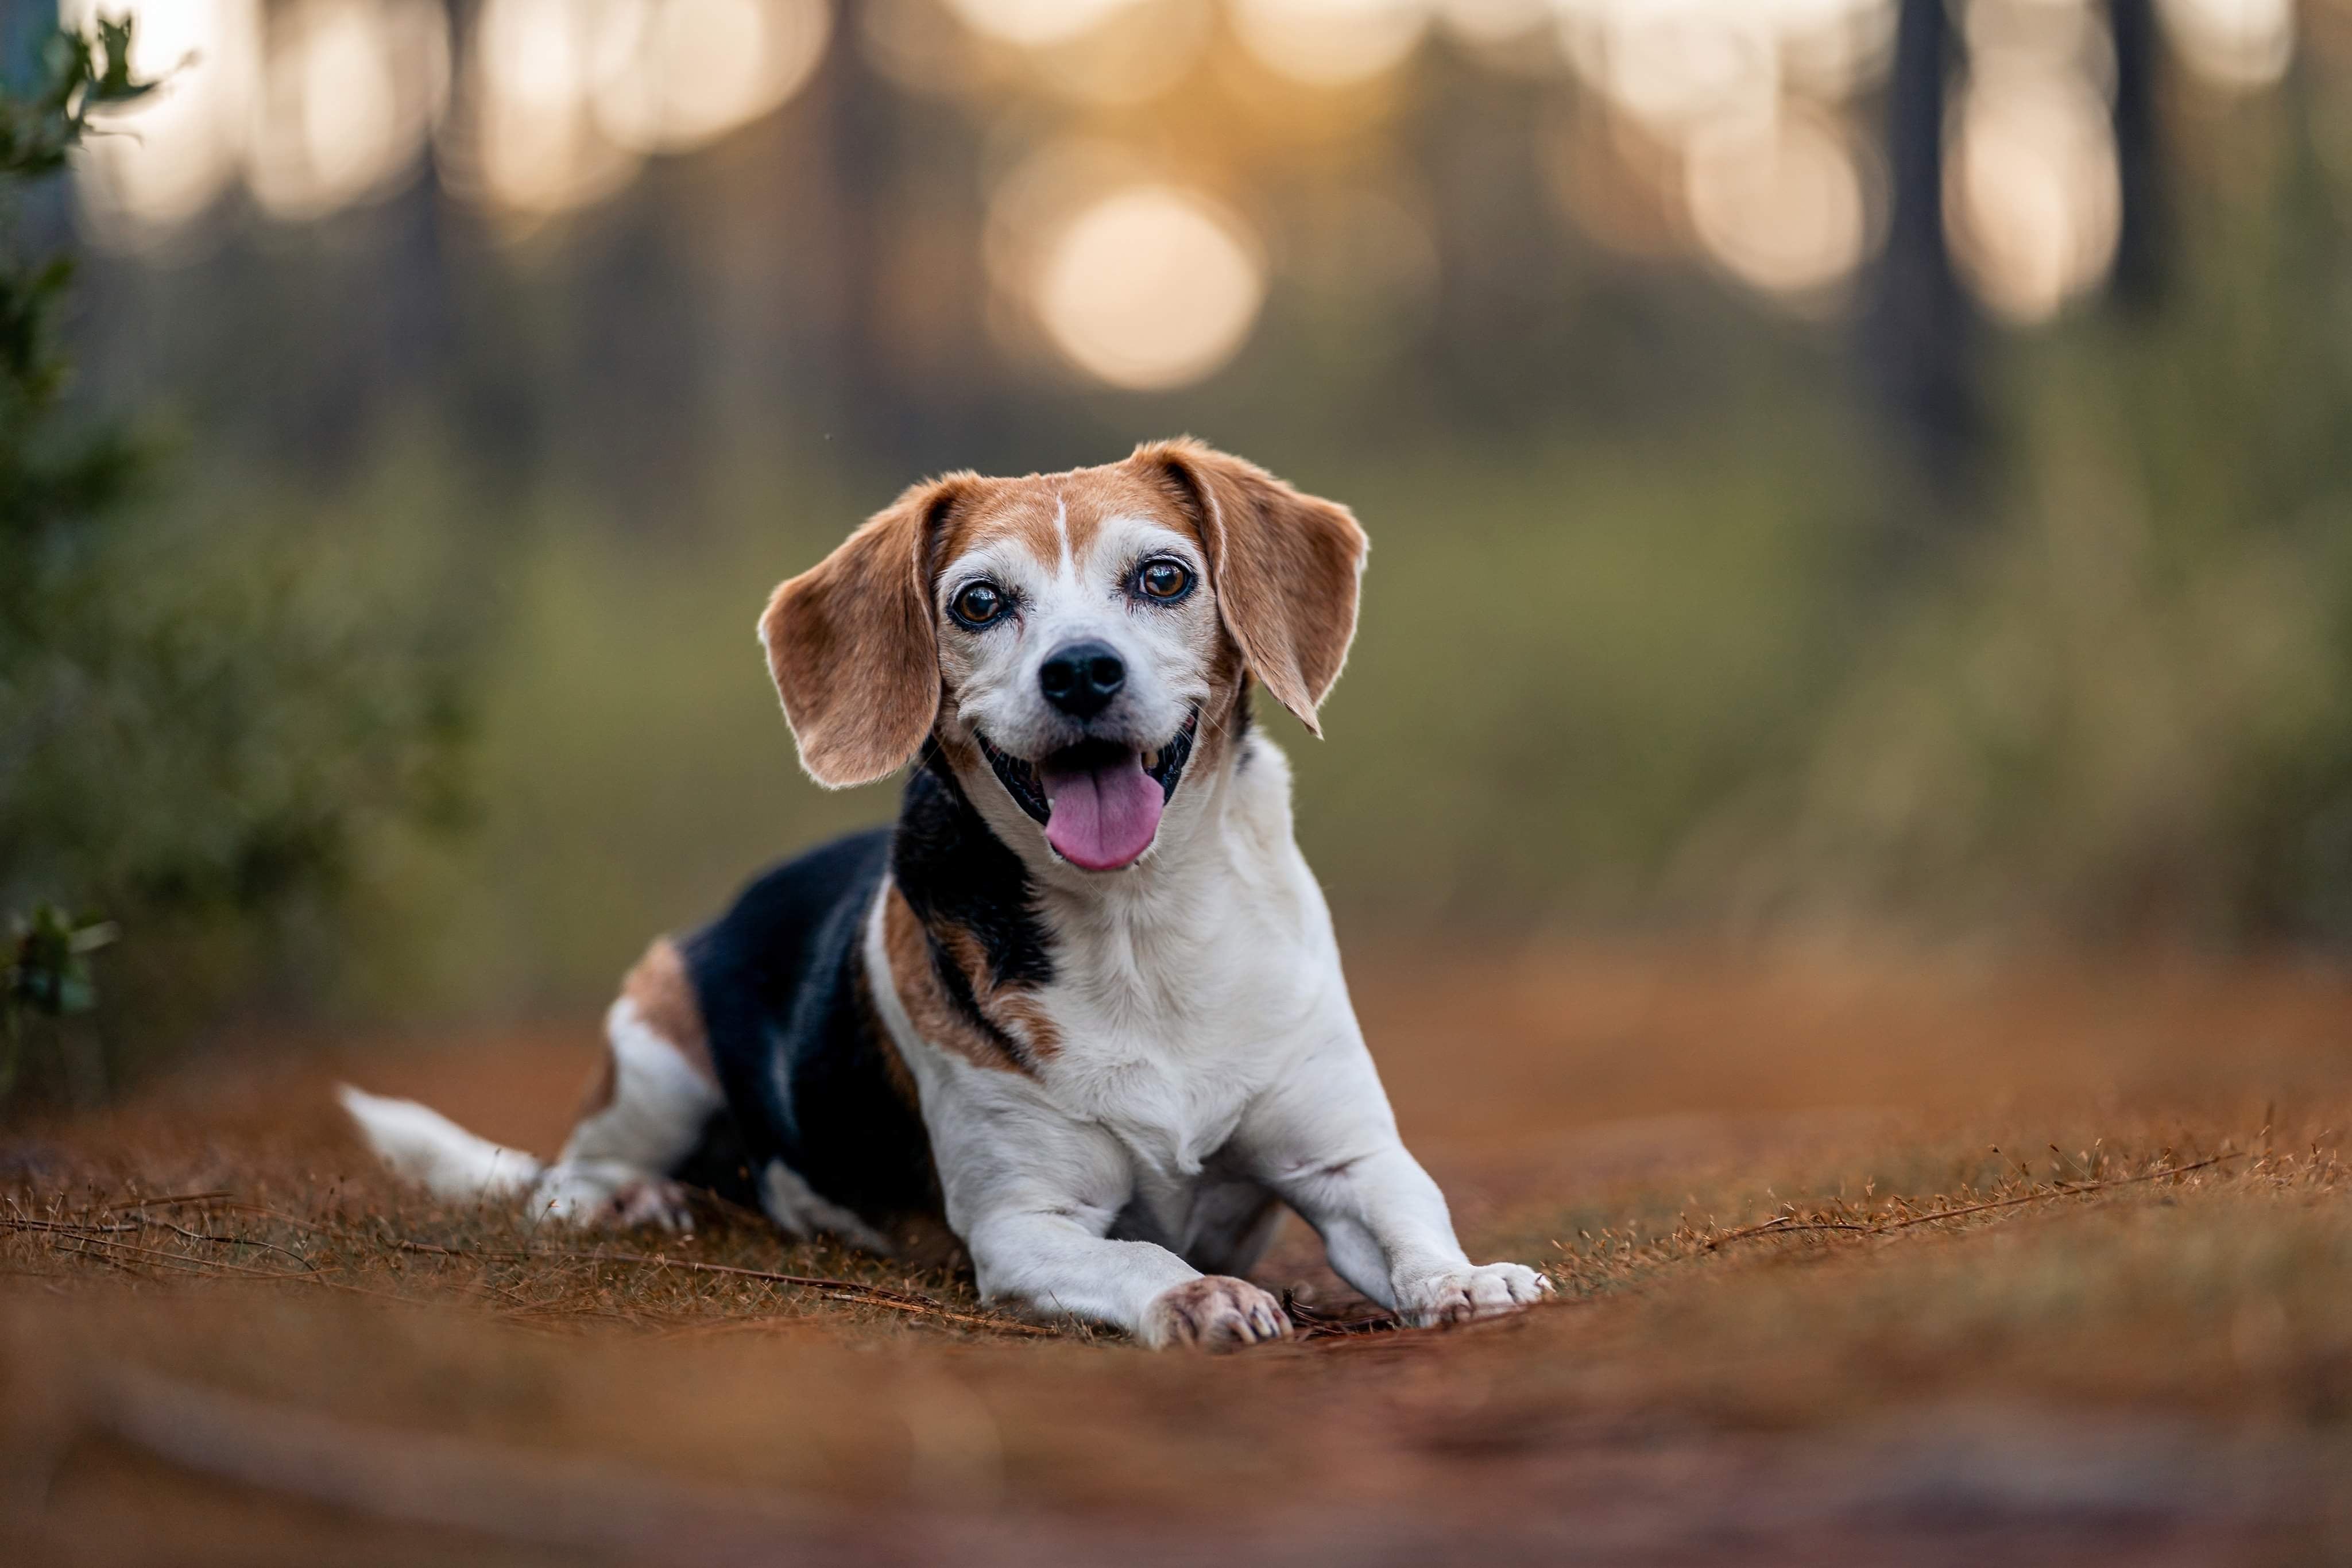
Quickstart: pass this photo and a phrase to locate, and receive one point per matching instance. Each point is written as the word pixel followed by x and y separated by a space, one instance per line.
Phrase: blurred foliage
pixel 79 75
pixel 2124 710
pixel 1729 672
pixel 1657 633
pixel 210 706
pixel 43 973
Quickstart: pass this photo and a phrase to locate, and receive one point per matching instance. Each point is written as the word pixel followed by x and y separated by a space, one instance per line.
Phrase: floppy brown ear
pixel 851 644
pixel 1285 566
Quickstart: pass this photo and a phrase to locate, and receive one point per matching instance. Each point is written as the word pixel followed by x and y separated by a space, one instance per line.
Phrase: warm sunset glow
pixel 1782 207
pixel 1330 43
pixel 1149 288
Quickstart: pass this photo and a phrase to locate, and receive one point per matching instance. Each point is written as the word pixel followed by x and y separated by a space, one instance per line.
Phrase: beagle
pixel 1081 1005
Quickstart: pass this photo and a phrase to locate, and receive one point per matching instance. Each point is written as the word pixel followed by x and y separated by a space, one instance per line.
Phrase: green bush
pixel 210 709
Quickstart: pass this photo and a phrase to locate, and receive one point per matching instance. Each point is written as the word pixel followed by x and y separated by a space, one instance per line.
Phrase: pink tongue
pixel 1102 817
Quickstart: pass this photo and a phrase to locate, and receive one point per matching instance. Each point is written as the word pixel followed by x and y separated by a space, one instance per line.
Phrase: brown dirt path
pixel 2103 1368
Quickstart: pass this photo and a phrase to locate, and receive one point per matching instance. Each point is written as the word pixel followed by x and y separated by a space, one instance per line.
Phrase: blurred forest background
pixel 1879 467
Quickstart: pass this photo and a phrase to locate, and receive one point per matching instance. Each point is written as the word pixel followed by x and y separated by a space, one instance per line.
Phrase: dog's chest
pixel 1165 1043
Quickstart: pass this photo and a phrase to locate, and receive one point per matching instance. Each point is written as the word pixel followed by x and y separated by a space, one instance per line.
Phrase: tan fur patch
pixel 852 645
pixel 1035 512
pixel 664 995
pixel 915 954
pixel 1012 1009
pixel 1285 566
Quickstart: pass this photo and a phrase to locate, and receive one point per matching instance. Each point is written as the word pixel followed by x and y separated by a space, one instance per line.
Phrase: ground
pixel 225 1339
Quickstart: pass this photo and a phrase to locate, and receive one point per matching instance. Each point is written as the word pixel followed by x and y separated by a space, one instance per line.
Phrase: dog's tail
pixel 426 1147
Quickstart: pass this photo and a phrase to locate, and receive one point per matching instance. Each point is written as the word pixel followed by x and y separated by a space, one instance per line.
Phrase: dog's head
pixel 1068 635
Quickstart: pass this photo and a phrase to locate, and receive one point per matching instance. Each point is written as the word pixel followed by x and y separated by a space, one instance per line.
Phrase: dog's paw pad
pixel 1215 1313
pixel 1455 1295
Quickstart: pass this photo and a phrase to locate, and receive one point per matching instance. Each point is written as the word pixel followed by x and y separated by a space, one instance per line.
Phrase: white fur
pixel 427 1148
pixel 1209 1063
pixel 1166 647
pixel 614 1165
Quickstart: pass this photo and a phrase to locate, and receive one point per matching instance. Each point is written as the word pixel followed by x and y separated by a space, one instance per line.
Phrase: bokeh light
pixel 1671 64
pixel 318 104
pixel 172 155
pixel 1036 22
pixel 1149 287
pixel 1730 127
pixel 1782 207
pixel 1330 43
pixel 349 91
pixel 1133 55
pixel 534 143
pixel 2237 44
pixel 671 75
pixel 1674 65
pixel 2031 195
pixel 1495 22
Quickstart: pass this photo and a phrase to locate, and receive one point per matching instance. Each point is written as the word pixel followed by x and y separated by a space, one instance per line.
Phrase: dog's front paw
pixel 1215 1313
pixel 655 1201
pixel 594 1200
pixel 1452 1296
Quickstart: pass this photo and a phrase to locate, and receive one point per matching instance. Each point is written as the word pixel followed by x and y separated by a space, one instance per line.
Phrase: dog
pixel 1081 1005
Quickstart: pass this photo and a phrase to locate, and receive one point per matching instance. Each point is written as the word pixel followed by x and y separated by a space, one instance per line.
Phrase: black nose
pixel 1082 679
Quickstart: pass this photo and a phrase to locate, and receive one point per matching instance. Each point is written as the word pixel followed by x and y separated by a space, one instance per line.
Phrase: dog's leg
pixel 1034 1196
pixel 1330 1149
pixel 644 1113
pixel 1058 1262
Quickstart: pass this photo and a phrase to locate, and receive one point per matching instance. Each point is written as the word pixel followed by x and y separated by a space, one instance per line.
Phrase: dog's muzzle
pixel 1099 802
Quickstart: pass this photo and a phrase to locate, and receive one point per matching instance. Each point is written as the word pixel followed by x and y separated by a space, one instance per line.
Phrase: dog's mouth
pixel 1098 801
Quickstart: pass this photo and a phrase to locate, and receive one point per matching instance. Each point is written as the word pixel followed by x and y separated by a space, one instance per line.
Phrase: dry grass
pixel 1943 1292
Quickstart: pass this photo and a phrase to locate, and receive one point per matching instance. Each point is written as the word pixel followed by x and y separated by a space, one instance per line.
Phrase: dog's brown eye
pixel 1163 580
pixel 979 604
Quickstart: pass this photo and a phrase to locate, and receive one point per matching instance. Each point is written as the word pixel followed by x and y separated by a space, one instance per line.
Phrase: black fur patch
pixel 954 871
pixel 797 1047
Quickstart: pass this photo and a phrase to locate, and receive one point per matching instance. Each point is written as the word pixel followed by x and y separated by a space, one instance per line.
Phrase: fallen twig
pixel 181 1199
pixel 1782 1225
pixel 873 1295
pixel 1313 1322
